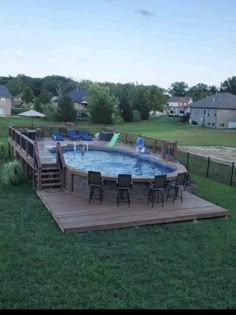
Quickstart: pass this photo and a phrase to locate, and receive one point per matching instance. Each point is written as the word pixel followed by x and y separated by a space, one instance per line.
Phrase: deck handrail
pixel 22 141
pixel 37 166
pixel 167 149
pixel 60 160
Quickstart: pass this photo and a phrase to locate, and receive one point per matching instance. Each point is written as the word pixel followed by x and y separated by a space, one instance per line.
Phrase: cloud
pixel 19 54
pixel 145 12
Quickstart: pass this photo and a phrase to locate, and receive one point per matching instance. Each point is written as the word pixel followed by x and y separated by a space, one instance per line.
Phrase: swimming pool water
pixel 114 163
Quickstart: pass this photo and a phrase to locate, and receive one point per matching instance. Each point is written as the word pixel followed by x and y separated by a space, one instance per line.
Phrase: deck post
pixel 175 151
pixel 154 145
pixel 232 173
pixel 208 166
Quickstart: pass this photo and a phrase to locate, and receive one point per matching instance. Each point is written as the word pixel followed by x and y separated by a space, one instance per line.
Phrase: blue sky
pixel 145 41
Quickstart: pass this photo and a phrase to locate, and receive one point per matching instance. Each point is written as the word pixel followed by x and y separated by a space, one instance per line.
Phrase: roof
pixel 220 100
pixel 176 99
pixel 4 92
pixel 77 95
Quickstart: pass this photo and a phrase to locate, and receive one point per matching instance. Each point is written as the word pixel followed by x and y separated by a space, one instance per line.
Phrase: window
pixel 215 113
pixel 204 112
pixel 208 123
pixel 213 124
pixel 208 113
pixel 221 124
pixel 3 100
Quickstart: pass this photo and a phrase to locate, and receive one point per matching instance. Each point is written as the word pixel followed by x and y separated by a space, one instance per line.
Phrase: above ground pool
pixel 112 163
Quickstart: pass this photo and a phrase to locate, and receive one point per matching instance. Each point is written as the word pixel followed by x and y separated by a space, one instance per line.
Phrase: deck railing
pixel 166 149
pixel 27 149
pixel 61 163
pixel 23 142
pixel 37 167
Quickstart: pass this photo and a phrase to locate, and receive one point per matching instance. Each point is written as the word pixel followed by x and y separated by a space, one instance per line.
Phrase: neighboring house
pixel 78 98
pixel 17 100
pixel 179 105
pixel 215 111
pixel 5 101
pixel 156 113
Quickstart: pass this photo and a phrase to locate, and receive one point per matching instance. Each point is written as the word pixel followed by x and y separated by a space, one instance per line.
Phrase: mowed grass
pixel 187 265
pixel 164 128
pixel 172 129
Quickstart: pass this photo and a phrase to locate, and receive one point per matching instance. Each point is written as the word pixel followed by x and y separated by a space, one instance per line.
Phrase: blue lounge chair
pixel 57 136
pixel 83 135
pixel 72 134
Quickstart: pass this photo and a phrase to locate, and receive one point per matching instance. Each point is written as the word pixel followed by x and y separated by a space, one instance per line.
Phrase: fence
pixel 166 149
pixel 205 166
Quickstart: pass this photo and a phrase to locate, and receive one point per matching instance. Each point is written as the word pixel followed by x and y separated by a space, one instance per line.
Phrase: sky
pixel 140 41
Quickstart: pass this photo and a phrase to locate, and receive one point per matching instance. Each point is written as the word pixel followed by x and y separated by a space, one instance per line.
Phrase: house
pixel 179 105
pixel 78 98
pixel 5 101
pixel 17 100
pixel 215 111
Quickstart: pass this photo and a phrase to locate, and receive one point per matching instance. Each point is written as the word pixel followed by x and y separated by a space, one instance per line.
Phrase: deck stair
pixel 50 177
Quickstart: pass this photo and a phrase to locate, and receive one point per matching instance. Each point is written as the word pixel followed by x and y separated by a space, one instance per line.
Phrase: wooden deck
pixel 73 213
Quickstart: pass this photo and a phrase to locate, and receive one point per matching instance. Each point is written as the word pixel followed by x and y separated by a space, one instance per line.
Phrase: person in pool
pixel 82 150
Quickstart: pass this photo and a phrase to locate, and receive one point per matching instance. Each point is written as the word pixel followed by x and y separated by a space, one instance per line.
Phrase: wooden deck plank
pixel 73 213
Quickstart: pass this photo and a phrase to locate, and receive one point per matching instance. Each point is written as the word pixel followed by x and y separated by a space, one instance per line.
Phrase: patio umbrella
pixel 32 113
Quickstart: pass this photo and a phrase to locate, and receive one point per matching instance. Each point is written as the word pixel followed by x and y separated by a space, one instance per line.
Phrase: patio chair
pixel 95 183
pixel 83 135
pixel 157 188
pixel 71 133
pixel 39 134
pixel 177 187
pixel 124 185
pixel 57 136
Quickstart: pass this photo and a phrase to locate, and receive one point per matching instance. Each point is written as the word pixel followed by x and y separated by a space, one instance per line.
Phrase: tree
pixel 15 86
pixel 140 101
pixel 66 110
pixel 102 104
pixel 178 89
pixel 198 91
pixel 60 90
pixel 28 95
pixel 123 93
pixel 229 85
pixel 41 101
pixel 51 83
pixel 157 97
pixel 213 90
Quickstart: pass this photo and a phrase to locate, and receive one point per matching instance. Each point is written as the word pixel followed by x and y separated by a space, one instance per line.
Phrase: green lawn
pixel 170 266
pixel 165 128
pixel 170 128
pixel 187 265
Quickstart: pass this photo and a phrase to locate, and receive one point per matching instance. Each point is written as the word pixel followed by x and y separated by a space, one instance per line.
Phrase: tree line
pixel 117 102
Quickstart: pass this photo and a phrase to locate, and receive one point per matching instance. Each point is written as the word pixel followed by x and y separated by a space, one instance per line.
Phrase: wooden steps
pixel 50 177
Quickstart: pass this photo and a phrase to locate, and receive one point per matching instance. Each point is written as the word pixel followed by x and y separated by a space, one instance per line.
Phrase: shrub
pixel 117 119
pixel 51 112
pixel 136 115
pixel 12 173
pixel 16 111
